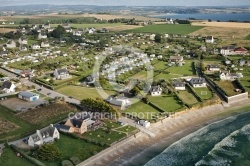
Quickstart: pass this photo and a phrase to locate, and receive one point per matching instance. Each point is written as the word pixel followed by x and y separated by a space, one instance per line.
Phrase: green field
pixel 9 158
pixel 82 92
pixel 97 26
pixel 102 136
pixel 204 93
pixel 182 29
pixel 142 110
pixel 71 147
pixel 23 127
pixel 228 87
pixel 126 129
pixel 187 97
pixel 166 103
pixel 247 38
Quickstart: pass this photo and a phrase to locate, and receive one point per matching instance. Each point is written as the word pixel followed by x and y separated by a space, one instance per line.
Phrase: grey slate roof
pixel 27 94
pixel 198 80
pixel 6 85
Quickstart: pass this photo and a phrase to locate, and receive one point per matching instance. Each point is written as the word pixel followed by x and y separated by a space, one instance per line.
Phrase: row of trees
pixel 97 105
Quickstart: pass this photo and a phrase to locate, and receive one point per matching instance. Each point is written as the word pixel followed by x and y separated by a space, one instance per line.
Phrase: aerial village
pixel 47 71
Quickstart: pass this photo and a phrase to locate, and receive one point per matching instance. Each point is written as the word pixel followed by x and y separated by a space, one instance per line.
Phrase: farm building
pixel 29 96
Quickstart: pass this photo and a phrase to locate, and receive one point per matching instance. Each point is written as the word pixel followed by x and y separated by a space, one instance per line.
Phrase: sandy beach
pixel 138 151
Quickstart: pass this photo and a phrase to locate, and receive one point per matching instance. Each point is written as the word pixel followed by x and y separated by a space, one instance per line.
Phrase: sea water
pixel 223 143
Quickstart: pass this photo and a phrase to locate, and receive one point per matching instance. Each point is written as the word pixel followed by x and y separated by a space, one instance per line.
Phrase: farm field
pixel 247 37
pixel 47 113
pixel 22 128
pixel 6 126
pixel 228 87
pixel 204 93
pixel 223 30
pixel 82 92
pixel 142 111
pixel 166 103
pixel 6 30
pixel 9 158
pixel 71 147
pixel 168 28
pixel 187 97
pixel 97 26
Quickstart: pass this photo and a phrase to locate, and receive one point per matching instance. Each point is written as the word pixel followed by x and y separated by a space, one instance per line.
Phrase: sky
pixel 130 2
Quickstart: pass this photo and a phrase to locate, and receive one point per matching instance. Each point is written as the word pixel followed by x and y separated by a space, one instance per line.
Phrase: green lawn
pixel 203 92
pixel 228 87
pixel 167 28
pixel 82 92
pixel 187 97
pixel 142 110
pixel 166 103
pixel 71 147
pixel 186 69
pixel 111 124
pixel 102 136
pixel 127 129
pixel 9 158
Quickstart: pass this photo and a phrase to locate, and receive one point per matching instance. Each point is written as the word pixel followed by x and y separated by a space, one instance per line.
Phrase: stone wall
pixel 237 98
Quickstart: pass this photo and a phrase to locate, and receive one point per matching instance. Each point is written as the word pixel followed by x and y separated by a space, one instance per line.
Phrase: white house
pixel 198 82
pixel 213 67
pixel 66 25
pixel 68 30
pixel 156 90
pixel 152 37
pixel 78 32
pixel 28 96
pixel 43 136
pixel 11 44
pixel 45 44
pixel 144 123
pixel 8 87
pixel 42 35
pixel 61 74
pixel 176 58
pixel 179 86
pixel 22 40
pixel 119 101
pixel 23 48
pixel 35 46
pixel 209 39
pixel 227 76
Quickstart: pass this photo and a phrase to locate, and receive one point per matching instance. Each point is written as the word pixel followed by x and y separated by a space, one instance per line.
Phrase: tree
pixel 135 91
pixel 49 152
pixel 58 32
pixel 158 38
pixel 51 81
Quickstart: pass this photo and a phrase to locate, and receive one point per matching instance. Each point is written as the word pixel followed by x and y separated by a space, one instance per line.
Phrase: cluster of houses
pixel 23 42
pixel 194 82
pixel 232 50
pixel 33 57
pixel 125 64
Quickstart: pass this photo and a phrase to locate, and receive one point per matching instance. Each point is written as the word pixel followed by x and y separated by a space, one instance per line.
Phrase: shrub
pixel 75 160
pixel 49 152
pixel 67 163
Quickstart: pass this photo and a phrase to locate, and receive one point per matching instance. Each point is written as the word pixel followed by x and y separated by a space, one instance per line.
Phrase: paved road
pixel 44 91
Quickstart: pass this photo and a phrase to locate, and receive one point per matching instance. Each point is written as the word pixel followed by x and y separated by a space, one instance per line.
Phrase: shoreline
pixel 138 151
